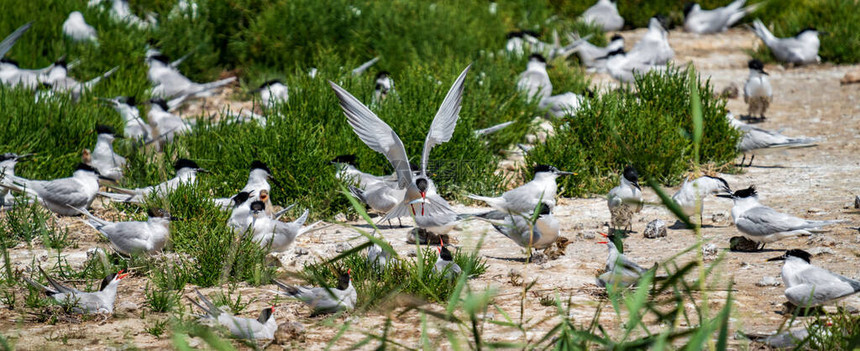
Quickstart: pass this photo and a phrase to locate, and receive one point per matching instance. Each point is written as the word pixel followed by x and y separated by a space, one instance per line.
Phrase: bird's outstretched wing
pixel 442 128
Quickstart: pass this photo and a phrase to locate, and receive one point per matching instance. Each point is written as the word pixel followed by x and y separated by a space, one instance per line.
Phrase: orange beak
pixel 119 274
pixel 604 234
pixel 603 242
pixel 423 197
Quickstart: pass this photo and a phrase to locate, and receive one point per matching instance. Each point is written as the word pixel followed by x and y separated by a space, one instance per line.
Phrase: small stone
pixel 821 240
pixel 194 342
pixel 730 92
pixel 768 281
pixel 340 217
pixel 539 258
pixel 719 217
pixel 655 229
pixel 424 237
pixel 818 251
pixel 126 307
pixel 341 247
pixel 709 250
pixel 742 244
pixel 300 251
pixel 857 201
pixel 851 78
pixel 289 331
pixel 588 234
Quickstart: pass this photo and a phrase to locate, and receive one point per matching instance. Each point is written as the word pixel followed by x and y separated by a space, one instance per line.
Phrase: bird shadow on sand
pixel 678 225
pixel 509 259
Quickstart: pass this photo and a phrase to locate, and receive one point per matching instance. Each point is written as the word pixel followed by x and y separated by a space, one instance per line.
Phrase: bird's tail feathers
pixel 280 213
pixel 288 289
pixel 497 202
pixel 38 286
pixel 763 32
pixel 121 197
pixel 213 85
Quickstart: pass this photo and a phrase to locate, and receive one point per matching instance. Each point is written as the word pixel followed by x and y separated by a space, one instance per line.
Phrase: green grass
pixel 652 131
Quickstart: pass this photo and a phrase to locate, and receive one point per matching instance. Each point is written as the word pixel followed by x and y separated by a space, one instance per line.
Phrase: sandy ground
pixel 815 183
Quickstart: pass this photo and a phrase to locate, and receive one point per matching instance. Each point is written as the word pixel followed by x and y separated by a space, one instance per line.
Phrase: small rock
pixel 341 247
pixel 300 251
pixel 539 258
pixel 194 342
pixel 578 226
pixel 851 78
pixel 768 281
pixel 821 240
pixel 126 307
pixel 730 92
pixel 288 331
pixel 709 250
pixel 719 217
pixel 424 237
pixel 818 251
pixel 742 244
pixel 857 201
pixel 340 217
pixel 655 229
pixel 588 234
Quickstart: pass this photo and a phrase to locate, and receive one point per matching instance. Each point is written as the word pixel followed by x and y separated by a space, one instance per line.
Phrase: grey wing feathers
pixel 280 213
pixel 445 121
pixel 358 193
pixel 210 308
pixel 765 220
pixel 375 133
pixel 10 40
pixel 60 287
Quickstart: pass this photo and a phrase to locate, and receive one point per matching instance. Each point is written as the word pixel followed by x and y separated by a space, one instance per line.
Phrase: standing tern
pixel 691 195
pixel 810 286
pixel 186 173
pixel 263 327
pixel 519 227
pixel 76 28
pixel 325 299
pixel 801 49
pixel 763 224
pixel 534 82
pixel 134 237
pixel 103 158
pixel 377 135
pixel 756 140
pixel 605 15
pixel 625 200
pixel 717 20
pixel 525 198
pixel 7 174
pixel 58 195
pixel 757 90
pixel 100 301
pixel 445 263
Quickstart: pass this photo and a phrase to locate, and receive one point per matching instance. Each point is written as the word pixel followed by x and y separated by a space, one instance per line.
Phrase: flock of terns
pixel 523 214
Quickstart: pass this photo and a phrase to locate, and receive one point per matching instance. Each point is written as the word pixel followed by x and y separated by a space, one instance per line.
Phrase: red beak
pixel 604 235
pixel 119 274
pixel 603 242
pixel 423 197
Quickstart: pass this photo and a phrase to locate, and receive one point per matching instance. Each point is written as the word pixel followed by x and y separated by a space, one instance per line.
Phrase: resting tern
pixel 378 258
pixel 757 90
pixel 379 137
pixel 103 158
pixel 605 15
pixel 801 49
pixel 525 198
pixel 169 82
pixel 273 234
pixel 717 20
pixel 534 82
pixel 765 225
pixel 517 44
pixel 624 66
pixel 135 128
pixel 563 104
pixel 445 262
pixel 273 92
pixel 620 271
pixel 625 200
pixel 165 124
pixel 263 327
pixel 325 299
pixel 384 86
pixel 186 173
pixel 540 234
pixel 594 57
pixel 756 140
pixel 7 174
pixel 653 48
pixel 810 286
pixel 76 28
pixel 58 195
pixel 691 195
pixel 100 301
pixel 11 75
pixel 134 237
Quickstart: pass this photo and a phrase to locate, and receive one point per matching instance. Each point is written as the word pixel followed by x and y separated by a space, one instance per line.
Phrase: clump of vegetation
pixel 651 130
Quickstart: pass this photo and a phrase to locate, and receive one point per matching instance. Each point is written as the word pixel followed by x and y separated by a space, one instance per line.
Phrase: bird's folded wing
pixel 765 220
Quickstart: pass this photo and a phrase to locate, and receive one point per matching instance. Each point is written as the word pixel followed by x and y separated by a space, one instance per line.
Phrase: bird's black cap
pixel 348 159
pixel 104 129
pixel 537 57
pixel 688 7
pixel 630 174
pixel 185 163
pixel 755 64
pixel 382 74
pixel 343 281
pixel 161 58
pixel 746 192
pixel 160 102
pixel 616 37
pixel 257 164
pixel 86 167
pixel 270 82
pixel 9 61
pixel 240 198
pixel 544 168
pixel 446 254
pixel 258 206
